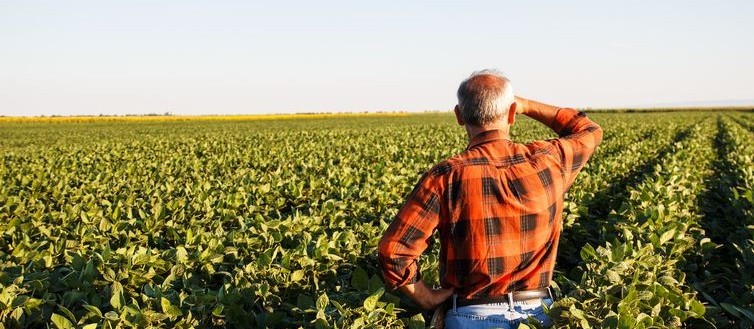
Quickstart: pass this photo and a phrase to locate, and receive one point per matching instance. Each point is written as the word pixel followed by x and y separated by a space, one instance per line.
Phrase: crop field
pixel 275 222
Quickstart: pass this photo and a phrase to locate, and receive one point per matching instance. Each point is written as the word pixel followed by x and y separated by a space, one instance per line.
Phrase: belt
pixel 507 298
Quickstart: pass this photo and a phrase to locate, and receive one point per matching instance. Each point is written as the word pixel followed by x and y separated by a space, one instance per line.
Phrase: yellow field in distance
pixel 165 118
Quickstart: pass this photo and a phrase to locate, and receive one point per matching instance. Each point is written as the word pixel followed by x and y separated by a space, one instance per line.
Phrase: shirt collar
pixel 486 136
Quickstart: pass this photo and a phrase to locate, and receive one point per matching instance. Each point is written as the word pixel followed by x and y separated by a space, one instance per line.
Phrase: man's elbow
pixel 383 247
pixel 597 135
pixel 385 258
pixel 596 131
pixel 384 254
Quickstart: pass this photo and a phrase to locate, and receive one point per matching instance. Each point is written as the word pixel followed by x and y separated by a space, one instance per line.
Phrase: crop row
pixel 602 186
pixel 723 268
pixel 634 277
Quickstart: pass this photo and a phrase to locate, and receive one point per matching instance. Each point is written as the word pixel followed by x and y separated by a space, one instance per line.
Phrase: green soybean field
pixel 274 222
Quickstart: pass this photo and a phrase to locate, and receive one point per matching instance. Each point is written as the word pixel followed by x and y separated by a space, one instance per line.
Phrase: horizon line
pixel 367 112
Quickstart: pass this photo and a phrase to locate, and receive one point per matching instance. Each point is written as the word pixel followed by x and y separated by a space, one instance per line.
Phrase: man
pixel 497 207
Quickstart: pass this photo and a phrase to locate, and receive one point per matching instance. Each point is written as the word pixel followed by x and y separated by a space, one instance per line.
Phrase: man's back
pixel 497 207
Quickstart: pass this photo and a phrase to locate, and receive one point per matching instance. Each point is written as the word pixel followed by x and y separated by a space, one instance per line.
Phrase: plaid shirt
pixel 498 209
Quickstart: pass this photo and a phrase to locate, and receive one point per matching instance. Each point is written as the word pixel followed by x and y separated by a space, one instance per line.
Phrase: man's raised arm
pixel 564 121
pixel 579 136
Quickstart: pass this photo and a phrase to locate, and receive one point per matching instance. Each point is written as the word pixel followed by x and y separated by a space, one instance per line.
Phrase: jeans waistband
pixel 509 298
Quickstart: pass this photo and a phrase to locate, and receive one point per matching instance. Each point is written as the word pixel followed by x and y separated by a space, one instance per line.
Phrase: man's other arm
pixel 405 240
pixel 425 296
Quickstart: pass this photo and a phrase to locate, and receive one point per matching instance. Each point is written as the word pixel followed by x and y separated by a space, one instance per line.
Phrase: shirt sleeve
pixel 579 137
pixel 409 235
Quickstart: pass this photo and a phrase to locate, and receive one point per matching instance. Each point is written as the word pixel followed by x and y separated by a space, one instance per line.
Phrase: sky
pixel 249 57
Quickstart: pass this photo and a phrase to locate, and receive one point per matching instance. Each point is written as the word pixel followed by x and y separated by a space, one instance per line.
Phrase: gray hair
pixel 484 97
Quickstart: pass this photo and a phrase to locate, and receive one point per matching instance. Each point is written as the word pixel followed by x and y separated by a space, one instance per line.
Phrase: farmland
pixel 275 222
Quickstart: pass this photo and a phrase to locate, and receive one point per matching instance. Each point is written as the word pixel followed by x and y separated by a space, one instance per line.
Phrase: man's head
pixel 485 98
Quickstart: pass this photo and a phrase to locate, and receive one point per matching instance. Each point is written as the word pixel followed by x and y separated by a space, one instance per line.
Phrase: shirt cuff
pixel 409 279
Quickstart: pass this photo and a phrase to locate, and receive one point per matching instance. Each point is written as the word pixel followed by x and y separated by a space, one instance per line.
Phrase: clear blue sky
pixel 218 57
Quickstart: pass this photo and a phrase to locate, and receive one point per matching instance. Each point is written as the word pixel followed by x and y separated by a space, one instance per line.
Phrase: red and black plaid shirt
pixel 498 208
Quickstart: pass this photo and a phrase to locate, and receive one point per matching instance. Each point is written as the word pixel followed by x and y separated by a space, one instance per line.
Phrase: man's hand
pixel 426 297
pixel 541 112
pixel 522 105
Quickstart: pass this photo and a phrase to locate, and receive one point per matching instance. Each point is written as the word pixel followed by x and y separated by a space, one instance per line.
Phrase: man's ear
pixel 512 113
pixel 459 118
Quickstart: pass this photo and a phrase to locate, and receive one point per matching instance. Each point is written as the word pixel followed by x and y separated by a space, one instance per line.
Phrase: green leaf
pixel 117 300
pixel 360 280
pixel 338 307
pixel 17 314
pixel 297 275
pixel 577 313
pixel 613 277
pixel 67 313
pixel 587 252
pixel 416 322
pixel 61 322
pixel 304 302
pixel 18 301
pixel 697 307
pixel 169 308
pixel 644 319
pixel 321 322
pixel 611 320
pixel 731 309
pixel 746 313
pixel 370 303
pixel 112 316
pixel 667 236
pixel 181 255
pixel 218 310
pixel 626 321
pixel 322 302
pixel 375 283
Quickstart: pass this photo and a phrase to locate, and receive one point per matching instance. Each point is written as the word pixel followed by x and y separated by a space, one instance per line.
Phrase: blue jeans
pixel 496 315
